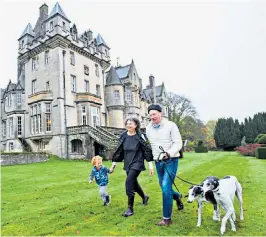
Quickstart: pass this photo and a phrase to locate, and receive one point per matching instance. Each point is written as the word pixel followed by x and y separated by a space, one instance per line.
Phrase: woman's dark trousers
pixel 132 186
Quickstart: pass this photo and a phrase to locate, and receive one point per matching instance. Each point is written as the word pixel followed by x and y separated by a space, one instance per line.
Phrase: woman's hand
pixel 151 172
pixel 112 169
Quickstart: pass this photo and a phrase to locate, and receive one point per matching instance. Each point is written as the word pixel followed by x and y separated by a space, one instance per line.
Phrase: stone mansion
pixel 68 98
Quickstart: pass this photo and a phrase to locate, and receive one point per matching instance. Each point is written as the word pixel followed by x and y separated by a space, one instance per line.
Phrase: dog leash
pixel 185 181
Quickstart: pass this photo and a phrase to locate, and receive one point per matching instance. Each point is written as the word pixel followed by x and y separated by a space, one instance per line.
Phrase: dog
pixel 224 191
pixel 196 192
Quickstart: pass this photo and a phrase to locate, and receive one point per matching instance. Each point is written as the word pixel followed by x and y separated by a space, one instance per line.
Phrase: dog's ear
pixel 215 184
pixel 199 190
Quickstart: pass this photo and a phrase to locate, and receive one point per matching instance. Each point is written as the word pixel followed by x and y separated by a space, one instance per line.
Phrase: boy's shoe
pixel 105 204
pixel 145 200
pixel 108 199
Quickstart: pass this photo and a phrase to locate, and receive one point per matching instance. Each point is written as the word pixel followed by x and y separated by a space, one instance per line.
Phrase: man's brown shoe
pixel 164 222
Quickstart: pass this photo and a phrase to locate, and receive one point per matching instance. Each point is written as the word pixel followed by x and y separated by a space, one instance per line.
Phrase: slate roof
pixel 123 71
pixel 28 30
pixel 57 10
pixel 148 91
pixel 2 91
pixel 100 40
pixel 113 78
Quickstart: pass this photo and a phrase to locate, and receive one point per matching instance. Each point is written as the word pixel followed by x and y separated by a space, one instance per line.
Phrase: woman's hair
pixel 93 160
pixel 136 121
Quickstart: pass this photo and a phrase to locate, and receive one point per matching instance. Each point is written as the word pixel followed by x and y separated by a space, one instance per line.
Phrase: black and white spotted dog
pixel 197 192
pixel 224 191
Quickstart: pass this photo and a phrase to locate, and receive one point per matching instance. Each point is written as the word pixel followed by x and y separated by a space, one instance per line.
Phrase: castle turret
pixel 57 22
pixel 103 47
pixel 114 97
pixel 26 37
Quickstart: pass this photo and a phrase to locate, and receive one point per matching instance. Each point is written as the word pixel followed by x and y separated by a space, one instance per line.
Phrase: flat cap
pixel 155 107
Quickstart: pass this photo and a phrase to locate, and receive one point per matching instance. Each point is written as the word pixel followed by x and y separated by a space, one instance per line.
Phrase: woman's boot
pixel 129 211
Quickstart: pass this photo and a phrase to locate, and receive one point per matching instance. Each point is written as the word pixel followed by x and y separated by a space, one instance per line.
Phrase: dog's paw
pixel 222 230
pixel 241 218
pixel 233 229
pixel 215 218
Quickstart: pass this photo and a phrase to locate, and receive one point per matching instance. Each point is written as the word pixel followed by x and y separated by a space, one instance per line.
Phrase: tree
pixel 249 130
pixel 179 107
pixel 210 126
pixel 227 134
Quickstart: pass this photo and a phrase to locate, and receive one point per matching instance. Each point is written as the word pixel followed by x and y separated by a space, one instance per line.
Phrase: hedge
pixel 201 149
pixel 261 152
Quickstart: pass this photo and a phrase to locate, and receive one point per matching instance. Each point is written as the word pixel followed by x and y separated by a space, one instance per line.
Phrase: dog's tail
pixel 240 199
pixel 238 190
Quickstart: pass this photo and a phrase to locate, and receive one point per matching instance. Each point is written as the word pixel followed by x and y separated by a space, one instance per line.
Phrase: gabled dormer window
pixel 75 36
pixel 19 98
pixel 9 100
pixel 64 25
pixel 22 44
pixel 51 25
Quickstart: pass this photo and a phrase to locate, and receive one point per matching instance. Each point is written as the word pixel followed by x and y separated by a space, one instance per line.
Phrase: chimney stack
pixel 43 10
pixel 151 78
pixel 152 86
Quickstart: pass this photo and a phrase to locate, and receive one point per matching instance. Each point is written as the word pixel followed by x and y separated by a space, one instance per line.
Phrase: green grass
pixel 55 198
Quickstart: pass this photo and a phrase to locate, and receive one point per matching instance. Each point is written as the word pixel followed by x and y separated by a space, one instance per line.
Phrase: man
pixel 164 133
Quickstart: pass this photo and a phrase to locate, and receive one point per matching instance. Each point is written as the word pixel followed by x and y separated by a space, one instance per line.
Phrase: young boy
pixel 100 173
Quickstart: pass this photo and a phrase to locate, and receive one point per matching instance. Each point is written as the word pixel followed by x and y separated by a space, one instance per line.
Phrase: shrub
pixel 201 149
pixel 262 139
pixel 258 137
pixel 248 150
pixel 200 143
pixel 261 152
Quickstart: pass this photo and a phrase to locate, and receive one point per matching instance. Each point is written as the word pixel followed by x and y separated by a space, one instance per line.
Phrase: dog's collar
pixel 216 190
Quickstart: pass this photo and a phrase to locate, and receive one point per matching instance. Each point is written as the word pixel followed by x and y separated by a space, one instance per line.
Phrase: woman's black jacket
pixel 145 147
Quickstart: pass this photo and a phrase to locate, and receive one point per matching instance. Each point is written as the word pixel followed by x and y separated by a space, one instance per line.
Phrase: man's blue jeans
pixel 166 184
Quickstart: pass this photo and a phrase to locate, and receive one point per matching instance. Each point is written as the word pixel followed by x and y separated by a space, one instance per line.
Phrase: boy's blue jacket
pixel 101 176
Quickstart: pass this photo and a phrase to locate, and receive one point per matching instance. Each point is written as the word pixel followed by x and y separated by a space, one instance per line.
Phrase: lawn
pixel 55 198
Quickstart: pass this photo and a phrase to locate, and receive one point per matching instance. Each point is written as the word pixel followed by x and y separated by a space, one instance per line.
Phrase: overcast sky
pixel 212 52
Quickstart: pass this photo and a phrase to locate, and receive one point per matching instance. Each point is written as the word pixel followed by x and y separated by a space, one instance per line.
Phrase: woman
pixel 133 148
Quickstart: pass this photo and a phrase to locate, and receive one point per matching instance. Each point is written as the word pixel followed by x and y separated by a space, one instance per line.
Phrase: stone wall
pixel 23 158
